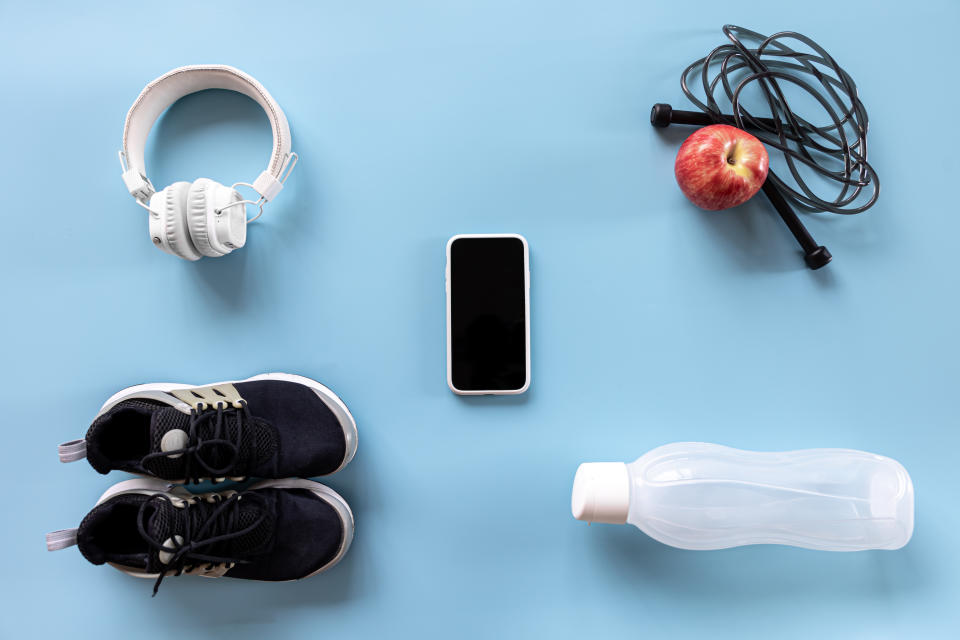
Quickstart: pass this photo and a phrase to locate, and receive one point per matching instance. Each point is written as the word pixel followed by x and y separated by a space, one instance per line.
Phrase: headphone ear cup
pixel 168 222
pixel 217 224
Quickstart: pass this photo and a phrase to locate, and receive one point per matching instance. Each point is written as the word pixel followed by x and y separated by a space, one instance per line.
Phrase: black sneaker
pixel 274 425
pixel 276 530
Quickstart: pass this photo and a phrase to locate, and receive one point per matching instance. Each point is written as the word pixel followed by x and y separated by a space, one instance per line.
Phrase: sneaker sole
pixel 150 486
pixel 333 402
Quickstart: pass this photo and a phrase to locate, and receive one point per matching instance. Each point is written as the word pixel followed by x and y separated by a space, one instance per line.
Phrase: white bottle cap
pixel 601 492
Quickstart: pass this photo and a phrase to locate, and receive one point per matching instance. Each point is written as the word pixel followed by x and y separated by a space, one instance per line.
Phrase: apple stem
pixel 816 256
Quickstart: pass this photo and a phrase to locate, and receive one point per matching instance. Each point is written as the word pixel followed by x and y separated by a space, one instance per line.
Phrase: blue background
pixel 653 322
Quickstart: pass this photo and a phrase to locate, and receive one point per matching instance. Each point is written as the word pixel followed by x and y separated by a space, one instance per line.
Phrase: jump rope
pixel 835 152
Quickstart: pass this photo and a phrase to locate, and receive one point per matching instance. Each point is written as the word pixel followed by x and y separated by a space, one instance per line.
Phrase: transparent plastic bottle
pixel 695 495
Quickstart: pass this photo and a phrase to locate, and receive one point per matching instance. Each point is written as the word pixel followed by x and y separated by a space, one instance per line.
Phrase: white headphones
pixel 204 218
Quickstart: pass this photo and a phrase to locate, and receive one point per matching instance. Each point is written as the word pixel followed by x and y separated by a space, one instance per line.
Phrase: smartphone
pixel 488 314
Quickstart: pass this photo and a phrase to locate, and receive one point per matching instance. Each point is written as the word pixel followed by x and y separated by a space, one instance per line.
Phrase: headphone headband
pixel 157 96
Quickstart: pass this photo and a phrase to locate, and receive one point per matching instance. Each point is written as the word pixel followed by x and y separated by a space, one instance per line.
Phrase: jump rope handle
pixel 816 256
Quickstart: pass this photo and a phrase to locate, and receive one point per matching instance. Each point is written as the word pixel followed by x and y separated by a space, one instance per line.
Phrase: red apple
pixel 720 166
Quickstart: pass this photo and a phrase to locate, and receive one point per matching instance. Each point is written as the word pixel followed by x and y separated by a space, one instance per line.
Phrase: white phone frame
pixel 526 305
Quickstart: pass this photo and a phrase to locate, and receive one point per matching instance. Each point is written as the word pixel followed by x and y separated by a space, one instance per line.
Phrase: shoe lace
pixel 204 454
pixel 208 523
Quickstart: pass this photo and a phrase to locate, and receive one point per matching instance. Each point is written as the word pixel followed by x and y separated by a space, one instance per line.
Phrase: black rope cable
pixel 836 151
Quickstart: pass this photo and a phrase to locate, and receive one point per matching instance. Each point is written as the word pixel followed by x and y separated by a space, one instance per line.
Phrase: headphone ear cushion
pixel 175 228
pixel 216 228
pixel 168 222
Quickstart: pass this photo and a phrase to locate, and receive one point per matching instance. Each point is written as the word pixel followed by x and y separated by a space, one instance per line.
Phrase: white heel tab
pixel 61 539
pixel 72 451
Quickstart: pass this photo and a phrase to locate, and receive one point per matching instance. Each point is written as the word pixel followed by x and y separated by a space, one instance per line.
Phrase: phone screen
pixel 488 315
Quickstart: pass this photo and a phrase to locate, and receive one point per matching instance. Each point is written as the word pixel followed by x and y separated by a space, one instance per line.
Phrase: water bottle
pixel 695 495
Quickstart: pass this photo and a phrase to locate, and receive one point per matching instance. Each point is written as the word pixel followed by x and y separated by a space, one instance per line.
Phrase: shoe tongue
pixel 167 525
pixel 164 421
pixel 162 525
pixel 169 430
